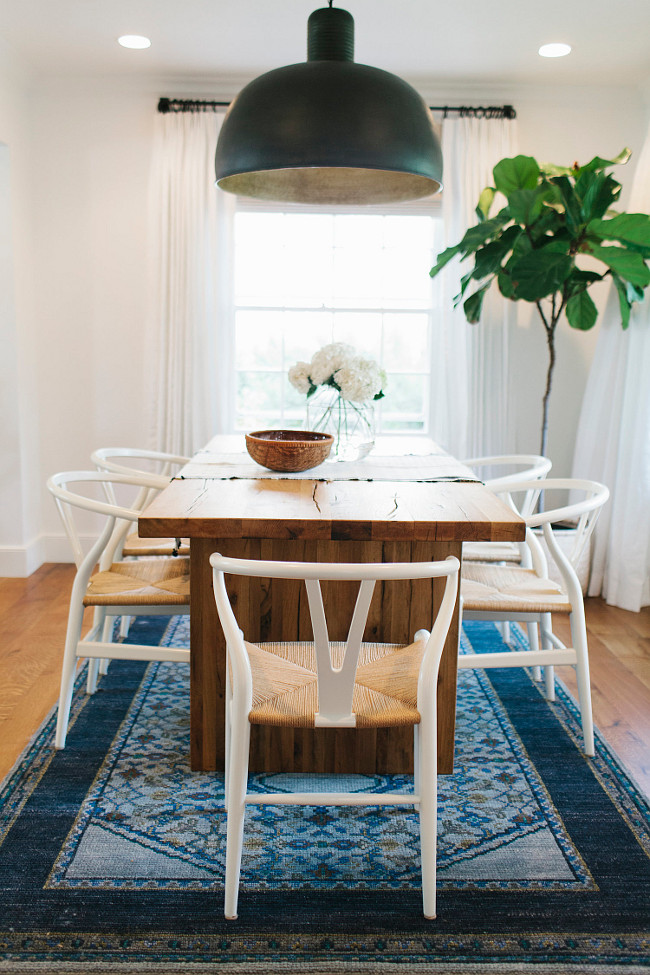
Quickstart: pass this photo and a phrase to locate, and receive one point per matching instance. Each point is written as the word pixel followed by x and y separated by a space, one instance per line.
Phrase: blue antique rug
pixel 112 851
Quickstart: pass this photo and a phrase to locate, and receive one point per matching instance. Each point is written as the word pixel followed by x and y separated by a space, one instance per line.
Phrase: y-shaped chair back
pixel 332 685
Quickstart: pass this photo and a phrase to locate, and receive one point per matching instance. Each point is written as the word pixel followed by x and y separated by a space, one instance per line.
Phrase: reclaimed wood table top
pixel 206 501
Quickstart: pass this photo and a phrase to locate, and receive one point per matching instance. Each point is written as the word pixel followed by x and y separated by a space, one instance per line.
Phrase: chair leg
pixel 68 671
pixel 237 781
pixel 96 667
pixel 503 627
pixel 228 737
pixel 533 642
pixel 125 623
pixel 107 637
pixel 546 628
pixel 428 779
pixel 99 620
pixel 416 763
pixel 91 675
pixel 579 640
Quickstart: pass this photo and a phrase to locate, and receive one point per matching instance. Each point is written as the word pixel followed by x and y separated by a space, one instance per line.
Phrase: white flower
pixel 327 360
pixel 359 380
pixel 339 366
pixel 299 377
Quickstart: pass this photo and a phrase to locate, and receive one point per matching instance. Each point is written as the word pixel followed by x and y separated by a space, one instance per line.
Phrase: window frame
pixel 430 207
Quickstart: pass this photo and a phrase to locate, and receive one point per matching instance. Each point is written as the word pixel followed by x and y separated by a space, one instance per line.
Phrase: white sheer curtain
pixel 190 334
pixel 469 373
pixel 613 439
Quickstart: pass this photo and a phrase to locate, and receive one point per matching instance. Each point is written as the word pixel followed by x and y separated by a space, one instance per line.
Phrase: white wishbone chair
pixel 511 592
pixel 159 466
pixel 333 685
pixel 156 586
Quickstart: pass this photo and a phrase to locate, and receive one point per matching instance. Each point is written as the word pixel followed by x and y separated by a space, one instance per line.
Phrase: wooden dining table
pixel 421 504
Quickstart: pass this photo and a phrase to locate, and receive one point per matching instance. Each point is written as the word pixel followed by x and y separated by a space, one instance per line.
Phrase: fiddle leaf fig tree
pixel 556 237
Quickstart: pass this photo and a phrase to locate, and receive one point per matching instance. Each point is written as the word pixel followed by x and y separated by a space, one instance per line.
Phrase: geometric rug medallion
pixel 112 851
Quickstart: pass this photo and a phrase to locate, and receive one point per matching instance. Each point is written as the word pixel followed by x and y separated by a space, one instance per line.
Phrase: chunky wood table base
pixel 274 611
pixel 319 520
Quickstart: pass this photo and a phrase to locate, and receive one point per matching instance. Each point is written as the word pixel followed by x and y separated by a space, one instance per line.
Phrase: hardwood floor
pixel 33 615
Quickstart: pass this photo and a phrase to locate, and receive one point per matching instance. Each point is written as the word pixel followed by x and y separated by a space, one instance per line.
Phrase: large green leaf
pixel 541 273
pixel 488 258
pixel 570 202
pixel 628 264
pixel 550 169
pixel 580 280
pixel 550 222
pixel 581 312
pixel 485 201
pixel 520 173
pixel 598 163
pixel 472 306
pixel 624 302
pixel 522 245
pixel 629 228
pixel 634 293
pixel 464 284
pixel 597 192
pixel 552 194
pixel 526 205
pixel 444 258
pixel 506 286
pixel 476 236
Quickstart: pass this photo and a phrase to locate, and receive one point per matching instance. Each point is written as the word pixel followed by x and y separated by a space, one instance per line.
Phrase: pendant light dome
pixel 329 130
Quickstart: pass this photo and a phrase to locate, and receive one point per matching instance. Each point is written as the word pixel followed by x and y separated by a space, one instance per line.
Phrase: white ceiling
pixel 454 42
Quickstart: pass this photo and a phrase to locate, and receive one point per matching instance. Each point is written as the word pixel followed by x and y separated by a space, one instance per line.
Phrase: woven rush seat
pixel 491 552
pixel 488 588
pixel 139 547
pixel 285 686
pixel 140 583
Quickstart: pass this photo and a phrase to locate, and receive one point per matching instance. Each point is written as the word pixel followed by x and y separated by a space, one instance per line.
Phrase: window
pixel 304 278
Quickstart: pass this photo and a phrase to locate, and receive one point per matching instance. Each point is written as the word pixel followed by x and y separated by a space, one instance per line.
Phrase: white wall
pixel 90 190
pixel 77 377
pixel 20 551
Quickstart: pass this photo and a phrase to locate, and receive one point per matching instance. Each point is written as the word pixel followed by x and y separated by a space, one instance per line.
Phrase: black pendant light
pixel 328 130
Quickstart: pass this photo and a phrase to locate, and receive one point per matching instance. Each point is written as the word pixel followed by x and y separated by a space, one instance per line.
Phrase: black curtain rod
pixel 166 105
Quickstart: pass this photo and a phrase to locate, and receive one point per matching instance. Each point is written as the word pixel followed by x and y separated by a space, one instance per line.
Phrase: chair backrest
pixel 67 501
pixel 335 676
pixel 581 512
pixel 527 466
pixel 156 462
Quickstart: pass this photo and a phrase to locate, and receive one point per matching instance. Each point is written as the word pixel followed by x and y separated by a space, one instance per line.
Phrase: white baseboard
pixel 19 561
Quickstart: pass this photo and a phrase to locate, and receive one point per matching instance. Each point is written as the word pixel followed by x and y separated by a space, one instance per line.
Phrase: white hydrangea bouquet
pixel 341 387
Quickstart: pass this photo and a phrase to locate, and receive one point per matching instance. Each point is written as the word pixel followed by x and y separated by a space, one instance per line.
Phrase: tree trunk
pixel 550 327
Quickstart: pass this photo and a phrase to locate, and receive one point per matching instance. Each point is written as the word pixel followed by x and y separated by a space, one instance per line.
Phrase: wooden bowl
pixel 288 450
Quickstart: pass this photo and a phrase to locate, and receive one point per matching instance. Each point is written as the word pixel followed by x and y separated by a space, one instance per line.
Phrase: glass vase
pixel 351 424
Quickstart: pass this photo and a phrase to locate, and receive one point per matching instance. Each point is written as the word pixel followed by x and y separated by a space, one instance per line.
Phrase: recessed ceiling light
pixel 135 41
pixel 554 50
